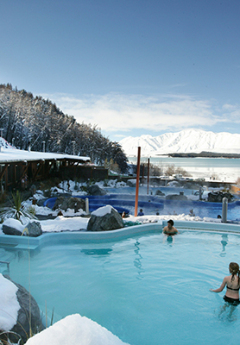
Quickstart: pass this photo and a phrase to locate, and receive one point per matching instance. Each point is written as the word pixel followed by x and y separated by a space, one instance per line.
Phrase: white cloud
pixel 118 113
pixel 232 112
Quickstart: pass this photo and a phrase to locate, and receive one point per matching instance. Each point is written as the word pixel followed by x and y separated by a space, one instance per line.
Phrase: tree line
pixel 26 121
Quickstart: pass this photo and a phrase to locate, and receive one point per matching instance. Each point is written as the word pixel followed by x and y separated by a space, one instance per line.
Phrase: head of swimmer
pixel 233 268
pixel 170 223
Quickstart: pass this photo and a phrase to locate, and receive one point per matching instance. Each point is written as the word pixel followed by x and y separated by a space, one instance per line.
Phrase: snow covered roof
pixel 11 154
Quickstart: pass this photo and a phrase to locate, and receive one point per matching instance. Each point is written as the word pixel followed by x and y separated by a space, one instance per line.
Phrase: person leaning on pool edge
pixel 170 230
pixel 232 283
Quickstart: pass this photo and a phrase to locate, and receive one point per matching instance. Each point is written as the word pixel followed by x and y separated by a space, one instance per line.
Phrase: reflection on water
pixel 227 313
pixel 102 251
pixel 224 243
pixel 138 260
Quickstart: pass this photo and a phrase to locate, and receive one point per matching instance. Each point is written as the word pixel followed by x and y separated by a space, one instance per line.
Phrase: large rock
pixel 131 183
pixel 159 192
pixel 61 202
pixel 34 229
pixel 11 230
pixel 96 190
pixel 26 302
pixel 76 204
pixel 218 196
pixel 176 197
pixel 105 218
pixel 64 203
pixel 15 227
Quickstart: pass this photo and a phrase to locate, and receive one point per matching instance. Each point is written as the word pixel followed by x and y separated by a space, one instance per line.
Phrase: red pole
pixel 137 183
pixel 148 176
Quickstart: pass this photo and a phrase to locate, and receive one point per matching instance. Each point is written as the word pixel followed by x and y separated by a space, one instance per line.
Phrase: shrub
pixel 16 211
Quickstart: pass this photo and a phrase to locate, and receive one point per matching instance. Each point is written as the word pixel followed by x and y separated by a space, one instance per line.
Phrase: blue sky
pixel 132 67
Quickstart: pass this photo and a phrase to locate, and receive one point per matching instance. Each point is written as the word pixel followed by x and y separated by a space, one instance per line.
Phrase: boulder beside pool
pixel 96 190
pixel 64 203
pixel 105 218
pixel 15 315
pixel 16 228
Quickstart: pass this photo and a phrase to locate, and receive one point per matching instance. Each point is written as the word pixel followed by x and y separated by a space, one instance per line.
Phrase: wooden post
pixel 137 183
pixel 148 175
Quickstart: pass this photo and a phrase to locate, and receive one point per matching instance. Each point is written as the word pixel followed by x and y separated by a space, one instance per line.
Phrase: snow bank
pixel 64 224
pixel 101 211
pixel 9 305
pixel 75 330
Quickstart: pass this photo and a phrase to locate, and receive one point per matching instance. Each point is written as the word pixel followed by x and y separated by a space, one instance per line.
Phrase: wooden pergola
pixel 35 166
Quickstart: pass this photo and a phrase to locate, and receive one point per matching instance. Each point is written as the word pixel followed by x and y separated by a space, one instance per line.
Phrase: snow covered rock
pixel 61 203
pixel 218 196
pixel 76 204
pixel 176 197
pixel 132 183
pixel 9 305
pixel 12 227
pixel 159 192
pixel 105 218
pixel 64 203
pixel 96 190
pixel 75 330
pixel 18 312
pixel 34 229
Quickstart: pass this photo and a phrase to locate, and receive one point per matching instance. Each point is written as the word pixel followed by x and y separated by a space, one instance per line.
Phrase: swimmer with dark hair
pixel 170 230
pixel 232 284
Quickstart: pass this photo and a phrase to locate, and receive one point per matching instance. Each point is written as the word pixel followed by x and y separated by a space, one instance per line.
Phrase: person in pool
pixel 170 230
pixel 232 284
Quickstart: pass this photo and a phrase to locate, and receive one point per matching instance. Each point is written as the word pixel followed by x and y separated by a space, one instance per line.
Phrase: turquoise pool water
pixel 144 290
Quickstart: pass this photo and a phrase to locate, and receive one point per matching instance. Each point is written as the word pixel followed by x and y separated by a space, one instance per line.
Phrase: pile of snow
pixel 14 223
pixel 101 211
pixel 64 224
pixel 186 141
pixel 9 305
pixel 75 330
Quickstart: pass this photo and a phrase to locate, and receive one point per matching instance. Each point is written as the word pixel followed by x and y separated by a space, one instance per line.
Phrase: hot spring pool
pixel 144 290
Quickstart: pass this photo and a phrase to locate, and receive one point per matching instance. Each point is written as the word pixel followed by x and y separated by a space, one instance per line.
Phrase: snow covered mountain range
pixel 186 141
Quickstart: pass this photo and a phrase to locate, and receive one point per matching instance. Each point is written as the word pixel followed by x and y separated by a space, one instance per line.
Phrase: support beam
pixel 137 182
pixel 3 171
pixel 37 171
pixel 148 173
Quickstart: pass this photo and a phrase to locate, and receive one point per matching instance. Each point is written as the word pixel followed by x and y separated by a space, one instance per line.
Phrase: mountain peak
pixel 185 141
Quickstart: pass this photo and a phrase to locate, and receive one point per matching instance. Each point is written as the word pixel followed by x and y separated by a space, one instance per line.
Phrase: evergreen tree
pixel 31 120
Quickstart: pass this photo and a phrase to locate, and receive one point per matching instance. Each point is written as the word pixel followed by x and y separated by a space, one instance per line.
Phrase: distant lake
pixel 224 169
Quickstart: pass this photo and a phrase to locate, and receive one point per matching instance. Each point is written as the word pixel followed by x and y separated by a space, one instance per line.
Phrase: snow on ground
pixel 75 330
pixel 9 305
pixel 64 224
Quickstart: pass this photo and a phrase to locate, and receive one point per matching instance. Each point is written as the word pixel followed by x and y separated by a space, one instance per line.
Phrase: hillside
pixel 186 141
pixel 26 121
